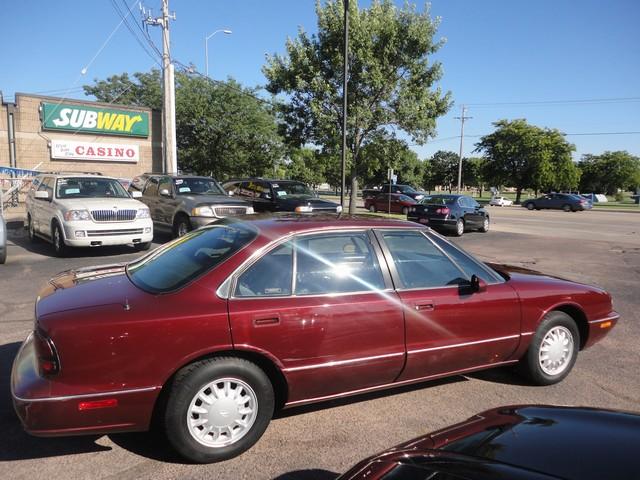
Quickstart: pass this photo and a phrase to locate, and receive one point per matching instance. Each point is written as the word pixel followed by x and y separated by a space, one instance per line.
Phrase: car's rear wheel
pixel 553 350
pixel 459 227
pixel 485 225
pixel 218 408
pixel 530 206
pixel 31 230
pixel 372 208
pixel 57 238
pixel 181 226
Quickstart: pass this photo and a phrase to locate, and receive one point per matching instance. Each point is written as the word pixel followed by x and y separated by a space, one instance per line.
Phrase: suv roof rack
pixel 67 172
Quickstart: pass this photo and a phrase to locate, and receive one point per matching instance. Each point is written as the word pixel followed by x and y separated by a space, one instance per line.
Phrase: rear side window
pixel 336 263
pixel 271 276
pixel 420 264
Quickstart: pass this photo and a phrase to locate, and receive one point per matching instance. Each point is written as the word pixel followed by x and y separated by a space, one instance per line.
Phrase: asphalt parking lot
pixel 317 442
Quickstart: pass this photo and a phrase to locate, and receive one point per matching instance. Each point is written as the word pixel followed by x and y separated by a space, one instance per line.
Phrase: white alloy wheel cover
pixel 222 412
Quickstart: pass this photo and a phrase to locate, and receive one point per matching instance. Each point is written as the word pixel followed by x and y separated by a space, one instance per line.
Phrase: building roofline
pixel 75 101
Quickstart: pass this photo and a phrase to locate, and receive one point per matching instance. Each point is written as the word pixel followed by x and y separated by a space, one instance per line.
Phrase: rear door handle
pixel 426 306
pixel 260 321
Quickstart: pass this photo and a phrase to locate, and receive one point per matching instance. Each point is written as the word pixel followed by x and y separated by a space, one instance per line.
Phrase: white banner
pixel 101 152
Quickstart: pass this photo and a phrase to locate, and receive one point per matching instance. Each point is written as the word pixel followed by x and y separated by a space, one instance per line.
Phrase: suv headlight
pixel 76 215
pixel 143 213
pixel 339 209
pixel 205 211
pixel 250 211
pixel 304 209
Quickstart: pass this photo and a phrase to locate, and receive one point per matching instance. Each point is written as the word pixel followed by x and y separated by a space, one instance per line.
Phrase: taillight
pixel 443 211
pixel 48 362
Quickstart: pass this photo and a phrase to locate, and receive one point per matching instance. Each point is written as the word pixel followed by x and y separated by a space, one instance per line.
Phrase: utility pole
pixel 462 118
pixel 168 92
pixel 345 72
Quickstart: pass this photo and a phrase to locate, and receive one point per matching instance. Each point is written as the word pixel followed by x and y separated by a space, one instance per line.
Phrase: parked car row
pixel 213 332
pixel 568 202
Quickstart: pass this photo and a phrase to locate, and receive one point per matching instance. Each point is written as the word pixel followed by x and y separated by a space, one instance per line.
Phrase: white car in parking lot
pixel 86 210
pixel 500 202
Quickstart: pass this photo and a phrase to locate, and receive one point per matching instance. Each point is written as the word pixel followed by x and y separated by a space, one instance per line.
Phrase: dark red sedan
pixel 390 203
pixel 212 332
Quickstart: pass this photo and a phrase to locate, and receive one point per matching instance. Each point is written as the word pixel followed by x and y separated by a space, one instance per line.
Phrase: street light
pixel 226 31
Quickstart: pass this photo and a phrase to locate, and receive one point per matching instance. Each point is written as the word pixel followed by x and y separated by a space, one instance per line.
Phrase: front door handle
pixel 426 306
pixel 273 320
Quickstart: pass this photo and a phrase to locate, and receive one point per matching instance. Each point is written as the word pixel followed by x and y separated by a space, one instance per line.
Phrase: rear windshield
pixel 439 200
pixel 89 187
pixel 174 265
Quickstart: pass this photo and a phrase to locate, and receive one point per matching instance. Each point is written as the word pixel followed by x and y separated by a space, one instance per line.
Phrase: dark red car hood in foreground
pixel 519 442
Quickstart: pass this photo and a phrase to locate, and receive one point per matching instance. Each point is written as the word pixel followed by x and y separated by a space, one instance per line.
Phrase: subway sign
pixel 94 120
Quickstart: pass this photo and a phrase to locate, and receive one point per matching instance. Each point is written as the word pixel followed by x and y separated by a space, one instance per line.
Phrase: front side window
pixel 89 187
pixel 406 189
pixel 271 276
pixel 336 263
pixel 152 187
pixel 469 265
pixel 175 264
pixel 419 263
pixel 165 184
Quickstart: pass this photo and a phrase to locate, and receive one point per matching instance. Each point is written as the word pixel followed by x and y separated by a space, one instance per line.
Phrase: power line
pixel 124 16
pixel 587 101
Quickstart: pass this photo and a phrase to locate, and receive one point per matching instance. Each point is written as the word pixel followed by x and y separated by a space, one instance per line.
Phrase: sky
pixel 565 64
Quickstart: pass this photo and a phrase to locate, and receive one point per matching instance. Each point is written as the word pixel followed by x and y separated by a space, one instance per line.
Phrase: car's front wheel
pixel 57 238
pixel 485 225
pixel 31 230
pixel 181 226
pixel 553 350
pixel 218 408
pixel 372 208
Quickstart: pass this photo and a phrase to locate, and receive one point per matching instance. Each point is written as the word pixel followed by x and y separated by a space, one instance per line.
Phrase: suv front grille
pixel 113 215
pixel 104 233
pixel 229 211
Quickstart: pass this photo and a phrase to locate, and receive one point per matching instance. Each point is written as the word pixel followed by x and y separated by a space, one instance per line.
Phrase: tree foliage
pixel 609 172
pixel 390 79
pixel 525 156
pixel 306 165
pixel 222 129
pixel 444 170
pixel 385 152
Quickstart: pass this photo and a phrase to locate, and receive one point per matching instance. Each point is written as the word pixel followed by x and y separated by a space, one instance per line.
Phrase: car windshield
pixel 197 186
pixel 291 189
pixel 175 264
pixel 89 187
pixel 438 200
pixel 406 189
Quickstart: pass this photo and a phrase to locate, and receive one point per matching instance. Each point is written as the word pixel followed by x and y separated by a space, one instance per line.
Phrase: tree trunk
pixel 353 199
pixel 518 193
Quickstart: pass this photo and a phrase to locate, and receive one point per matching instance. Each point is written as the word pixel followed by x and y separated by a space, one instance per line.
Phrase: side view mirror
pixel 136 194
pixel 477 284
pixel 41 195
pixel 165 193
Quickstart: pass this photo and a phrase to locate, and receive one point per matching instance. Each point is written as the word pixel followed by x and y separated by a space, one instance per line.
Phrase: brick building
pixel 56 134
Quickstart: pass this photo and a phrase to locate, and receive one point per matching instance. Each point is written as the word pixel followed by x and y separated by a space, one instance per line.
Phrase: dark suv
pixel 407 190
pixel 181 203
pixel 279 196
pixel 559 201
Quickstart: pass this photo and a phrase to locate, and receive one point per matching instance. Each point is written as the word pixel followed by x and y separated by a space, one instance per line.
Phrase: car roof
pixel 75 175
pixel 284 223
pixel 258 179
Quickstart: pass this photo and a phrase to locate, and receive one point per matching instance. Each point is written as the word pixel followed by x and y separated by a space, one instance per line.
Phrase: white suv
pixel 86 210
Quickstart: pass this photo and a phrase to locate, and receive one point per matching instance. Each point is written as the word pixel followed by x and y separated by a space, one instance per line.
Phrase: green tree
pixel 306 165
pixel 385 152
pixel 391 75
pixel 222 128
pixel 473 173
pixel 444 169
pixel 526 156
pixel 609 172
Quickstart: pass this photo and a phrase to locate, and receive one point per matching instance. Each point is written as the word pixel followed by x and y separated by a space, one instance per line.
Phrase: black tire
pixel 566 207
pixel 530 206
pixel 142 247
pixel 181 225
pixel 486 224
pixel 530 365
pixel 372 208
pixel 459 230
pixel 33 238
pixel 57 239
pixel 185 389
pixel 405 210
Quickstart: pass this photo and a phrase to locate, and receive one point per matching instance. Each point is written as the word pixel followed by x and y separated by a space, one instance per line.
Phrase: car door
pixel 322 306
pixel 45 210
pixel 150 198
pixel 262 196
pixel 449 328
pixel 476 212
pixel 167 201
